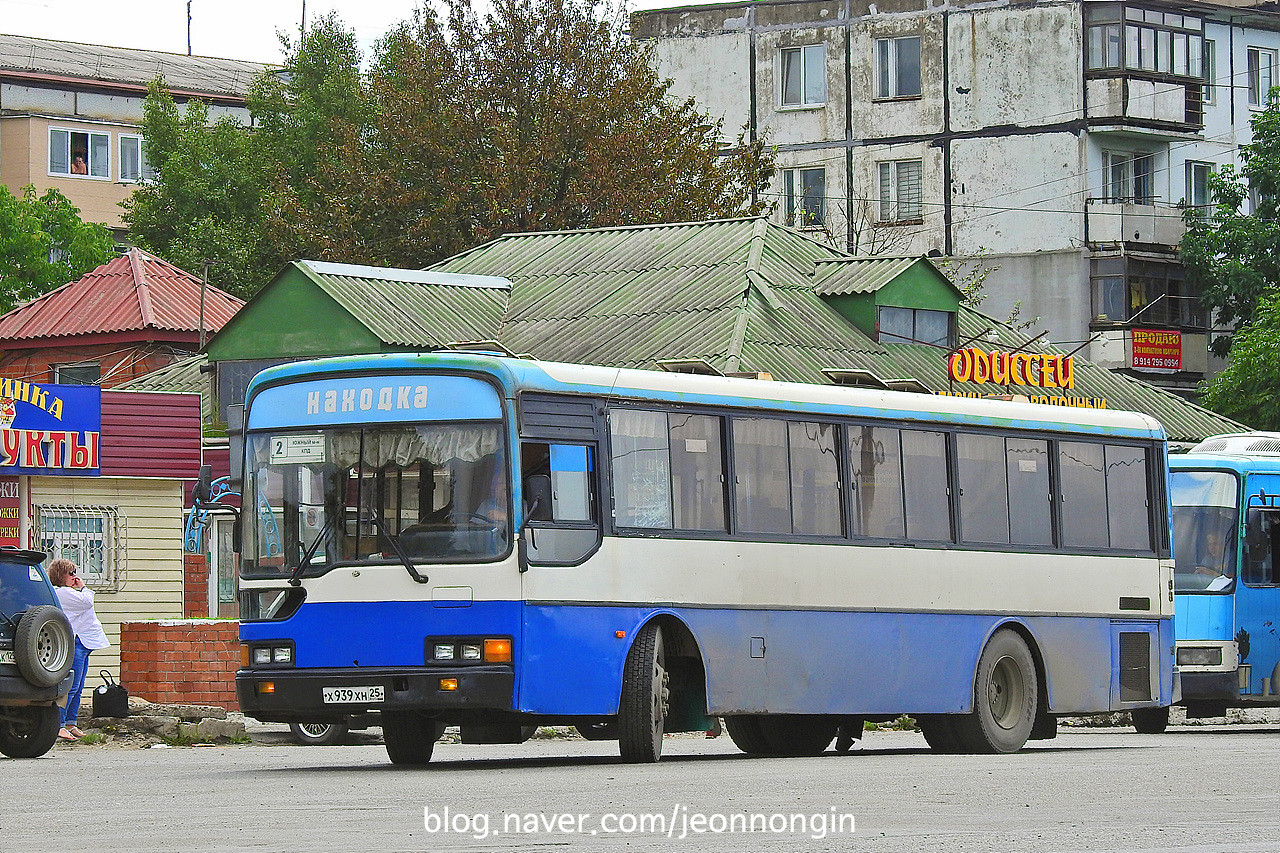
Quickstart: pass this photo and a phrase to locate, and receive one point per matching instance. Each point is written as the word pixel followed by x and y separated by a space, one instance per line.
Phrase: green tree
pixel 1248 390
pixel 1230 256
pixel 44 244
pixel 205 203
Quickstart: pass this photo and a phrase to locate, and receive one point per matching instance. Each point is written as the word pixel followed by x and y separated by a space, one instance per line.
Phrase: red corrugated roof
pixel 134 292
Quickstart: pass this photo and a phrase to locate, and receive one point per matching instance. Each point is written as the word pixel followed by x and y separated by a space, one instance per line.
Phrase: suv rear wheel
pixel 29 731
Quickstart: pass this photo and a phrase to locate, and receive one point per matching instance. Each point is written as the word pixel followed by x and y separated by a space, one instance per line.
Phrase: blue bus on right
pixel 1226 528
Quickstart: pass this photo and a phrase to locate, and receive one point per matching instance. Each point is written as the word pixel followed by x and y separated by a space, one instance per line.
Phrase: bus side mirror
pixel 235 445
pixel 537 497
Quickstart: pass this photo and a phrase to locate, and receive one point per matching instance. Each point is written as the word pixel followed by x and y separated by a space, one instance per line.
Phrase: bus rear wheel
pixel 940 733
pixel 746 734
pixel 1005 696
pixel 410 736
pixel 1150 721
pixel 646 697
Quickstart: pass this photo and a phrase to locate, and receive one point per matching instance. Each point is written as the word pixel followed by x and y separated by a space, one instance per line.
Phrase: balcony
pixel 1125 222
pixel 1137 104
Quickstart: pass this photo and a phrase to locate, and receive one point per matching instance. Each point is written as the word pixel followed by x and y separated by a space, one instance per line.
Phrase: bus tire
pixel 1150 721
pixel 646 696
pixel 798 734
pixel 318 734
pixel 410 736
pixel 1005 697
pixel 940 733
pixel 746 734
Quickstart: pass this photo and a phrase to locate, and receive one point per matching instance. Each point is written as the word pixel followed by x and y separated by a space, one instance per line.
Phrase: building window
pixel 1156 293
pixel 133 159
pixel 803 75
pixel 898 67
pixel 92 537
pixel 901 188
pixel 1262 75
pixel 913 326
pixel 1124 37
pixel 1210 60
pixel 1127 177
pixel 804 194
pixel 72 152
pixel 84 373
pixel 1197 178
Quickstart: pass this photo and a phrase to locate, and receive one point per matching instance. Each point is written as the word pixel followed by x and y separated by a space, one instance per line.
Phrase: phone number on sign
pixel 1140 361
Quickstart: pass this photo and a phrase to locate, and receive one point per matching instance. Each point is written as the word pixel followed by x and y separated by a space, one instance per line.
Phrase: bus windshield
pixel 344 494
pixel 1205 514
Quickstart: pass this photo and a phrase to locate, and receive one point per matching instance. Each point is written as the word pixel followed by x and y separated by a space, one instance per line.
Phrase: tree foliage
pixel 538 115
pixel 1230 256
pixel 1248 390
pixel 44 244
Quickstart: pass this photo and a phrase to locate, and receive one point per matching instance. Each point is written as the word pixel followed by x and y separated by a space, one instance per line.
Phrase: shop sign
pixel 1017 368
pixel 49 429
pixel 9 509
pixel 1040 399
pixel 1156 349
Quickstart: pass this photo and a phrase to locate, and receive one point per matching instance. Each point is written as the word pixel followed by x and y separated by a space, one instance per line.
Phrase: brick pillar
pixel 195 586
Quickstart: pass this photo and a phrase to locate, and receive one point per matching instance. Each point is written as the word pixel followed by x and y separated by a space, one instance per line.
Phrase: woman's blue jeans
pixel 79 669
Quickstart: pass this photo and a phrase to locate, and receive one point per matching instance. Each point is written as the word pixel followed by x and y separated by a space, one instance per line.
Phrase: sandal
pixel 75 732
pixel 63 734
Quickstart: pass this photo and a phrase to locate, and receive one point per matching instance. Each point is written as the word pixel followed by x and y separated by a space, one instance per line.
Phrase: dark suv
pixel 36 652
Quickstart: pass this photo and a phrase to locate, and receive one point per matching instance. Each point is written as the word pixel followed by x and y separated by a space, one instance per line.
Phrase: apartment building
pixel 71 115
pixel 1060 141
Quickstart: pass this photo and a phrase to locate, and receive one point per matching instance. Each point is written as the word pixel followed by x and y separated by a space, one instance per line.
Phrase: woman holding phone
pixel 77 602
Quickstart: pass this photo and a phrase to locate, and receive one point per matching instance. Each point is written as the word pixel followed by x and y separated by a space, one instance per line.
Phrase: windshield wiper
pixel 394 541
pixel 294 579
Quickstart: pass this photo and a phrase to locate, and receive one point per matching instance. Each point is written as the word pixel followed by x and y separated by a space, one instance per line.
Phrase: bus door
pixel 1258 594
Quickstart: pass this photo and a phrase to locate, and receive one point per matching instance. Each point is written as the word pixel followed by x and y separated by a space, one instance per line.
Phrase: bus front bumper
pixel 290 696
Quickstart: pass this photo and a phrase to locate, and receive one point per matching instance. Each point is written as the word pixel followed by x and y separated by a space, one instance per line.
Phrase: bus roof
pixel 518 374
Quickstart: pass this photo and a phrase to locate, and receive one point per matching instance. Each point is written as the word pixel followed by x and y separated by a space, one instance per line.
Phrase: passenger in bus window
pixel 1215 560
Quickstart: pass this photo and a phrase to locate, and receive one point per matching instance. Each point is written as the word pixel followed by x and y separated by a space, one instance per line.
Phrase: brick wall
pixel 195 586
pixel 191 662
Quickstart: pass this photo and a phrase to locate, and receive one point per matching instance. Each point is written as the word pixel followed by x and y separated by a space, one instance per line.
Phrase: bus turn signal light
pixel 497 651
pixel 448 684
pixel 266 687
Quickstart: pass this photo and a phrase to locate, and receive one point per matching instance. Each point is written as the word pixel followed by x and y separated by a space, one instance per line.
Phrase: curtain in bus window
pixel 1128 510
pixel 875 455
pixel 697 472
pixel 641 468
pixel 815 479
pixel 1084 495
pixel 924 479
pixel 983 499
pixel 760 468
pixel 1030 511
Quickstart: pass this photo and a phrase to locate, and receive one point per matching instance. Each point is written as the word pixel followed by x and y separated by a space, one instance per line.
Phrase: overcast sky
pixel 236 29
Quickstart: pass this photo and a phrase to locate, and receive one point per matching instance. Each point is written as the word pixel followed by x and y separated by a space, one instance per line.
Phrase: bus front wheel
pixel 1150 721
pixel 410 736
pixel 646 696
pixel 1005 696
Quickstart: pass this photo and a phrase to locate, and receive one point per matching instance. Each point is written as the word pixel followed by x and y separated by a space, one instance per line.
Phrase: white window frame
pixel 1123 190
pixel 803 54
pixel 888 86
pixel 1208 60
pixel 889 176
pixel 145 173
pixel 1190 170
pixel 89 159
pixel 1262 75
pixel 795 211
pixel 95 538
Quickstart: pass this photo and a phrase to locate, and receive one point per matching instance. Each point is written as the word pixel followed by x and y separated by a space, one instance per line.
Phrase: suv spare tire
pixel 44 646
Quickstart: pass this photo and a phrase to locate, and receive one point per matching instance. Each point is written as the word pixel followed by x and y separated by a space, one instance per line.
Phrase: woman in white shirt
pixel 77 602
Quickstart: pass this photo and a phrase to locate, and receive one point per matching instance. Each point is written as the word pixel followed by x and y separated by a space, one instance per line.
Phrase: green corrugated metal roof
pixel 413 308
pixel 744 296
pixel 184 375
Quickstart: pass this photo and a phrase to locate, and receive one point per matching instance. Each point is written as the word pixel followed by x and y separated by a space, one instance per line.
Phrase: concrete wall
pixel 1048 286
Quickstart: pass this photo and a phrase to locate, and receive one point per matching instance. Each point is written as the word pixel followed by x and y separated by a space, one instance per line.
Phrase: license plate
pixel 351 695
pixel 7 657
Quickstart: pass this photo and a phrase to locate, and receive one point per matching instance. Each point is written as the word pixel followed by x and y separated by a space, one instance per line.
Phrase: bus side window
pixel 559 502
pixel 1262 535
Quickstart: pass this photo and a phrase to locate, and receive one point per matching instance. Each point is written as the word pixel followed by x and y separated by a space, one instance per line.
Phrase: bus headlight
pixel 470 651
pixel 443 651
pixel 1200 656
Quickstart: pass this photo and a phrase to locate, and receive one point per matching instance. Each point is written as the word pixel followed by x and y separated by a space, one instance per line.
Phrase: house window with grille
pixel 92 537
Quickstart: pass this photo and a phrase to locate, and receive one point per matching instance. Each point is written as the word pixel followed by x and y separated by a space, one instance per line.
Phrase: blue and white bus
pixel 457 538
pixel 1226 523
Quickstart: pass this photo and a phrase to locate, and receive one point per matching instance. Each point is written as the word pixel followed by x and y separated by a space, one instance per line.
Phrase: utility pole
pixel 304 17
pixel 204 286
pixel 188 27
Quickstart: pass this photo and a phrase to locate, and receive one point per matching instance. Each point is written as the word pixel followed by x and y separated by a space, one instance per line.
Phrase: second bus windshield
pixel 1205 513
